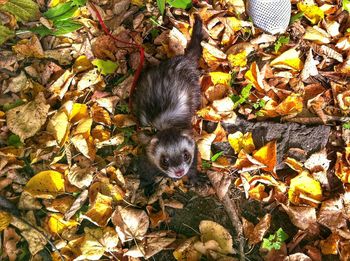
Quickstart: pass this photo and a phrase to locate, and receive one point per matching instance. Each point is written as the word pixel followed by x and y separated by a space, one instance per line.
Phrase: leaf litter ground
pixel 272 131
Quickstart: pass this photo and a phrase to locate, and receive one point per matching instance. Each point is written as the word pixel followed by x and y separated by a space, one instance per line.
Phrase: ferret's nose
pixel 179 173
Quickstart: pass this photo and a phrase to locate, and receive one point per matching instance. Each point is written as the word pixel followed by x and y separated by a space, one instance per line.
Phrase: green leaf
pixel 23 10
pixel 66 26
pixel 275 241
pixel 183 4
pixel 58 10
pixel 246 91
pixel 161 6
pixel 216 156
pixel 348 30
pixel 346 125
pixel 105 67
pixel 296 17
pixel 42 31
pixel 206 164
pixel 281 41
pixel 79 2
pixel 9 106
pixel 346 5
pixel 5 34
pixel 14 140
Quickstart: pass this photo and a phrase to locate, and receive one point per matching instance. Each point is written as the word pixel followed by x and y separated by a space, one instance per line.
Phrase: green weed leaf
pixel 281 41
pixel 275 241
pixel 216 156
pixel 14 140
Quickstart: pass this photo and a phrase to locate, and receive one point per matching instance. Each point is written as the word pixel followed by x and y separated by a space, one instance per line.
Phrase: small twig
pixel 317 120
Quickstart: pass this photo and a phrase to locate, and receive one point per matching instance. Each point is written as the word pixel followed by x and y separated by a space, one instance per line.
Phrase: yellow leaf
pixel 5 220
pixel 83 127
pixel 78 112
pixel 234 24
pixel 101 210
pixel 253 75
pixel 291 105
pixel 312 12
pixel 57 224
pixel 239 59
pixel 288 60
pixel 82 63
pixel 258 192
pixel 186 252
pixel 239 141
pixel 305 190
pixel 220 78
pixel 317 34
pixel 46 184
pixel 59 126
pixel 211 230
pixel 85 145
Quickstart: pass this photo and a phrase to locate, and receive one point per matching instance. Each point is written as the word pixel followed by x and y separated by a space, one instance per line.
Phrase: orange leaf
pixel 267 156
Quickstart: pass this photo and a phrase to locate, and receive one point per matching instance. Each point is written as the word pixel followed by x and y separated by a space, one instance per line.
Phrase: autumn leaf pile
pixel 68 139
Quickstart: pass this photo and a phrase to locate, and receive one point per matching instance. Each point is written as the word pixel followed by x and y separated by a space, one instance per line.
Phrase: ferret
pixel 165 99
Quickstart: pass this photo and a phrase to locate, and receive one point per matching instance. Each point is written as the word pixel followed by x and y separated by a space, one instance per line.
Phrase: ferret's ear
pixel 144 138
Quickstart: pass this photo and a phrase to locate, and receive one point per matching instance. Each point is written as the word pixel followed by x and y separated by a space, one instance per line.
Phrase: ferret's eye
pixel 164 162
pixel 187 156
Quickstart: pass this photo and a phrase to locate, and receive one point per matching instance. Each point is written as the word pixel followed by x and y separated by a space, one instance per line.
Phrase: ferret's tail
pixel 194 49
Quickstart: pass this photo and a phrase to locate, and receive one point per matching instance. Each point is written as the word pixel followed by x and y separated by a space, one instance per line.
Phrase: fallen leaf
pixel 238 141
pixel 46 184
pixel 29 47
pixel 186 251
pixel 5 220
pixel 100 211
pixel 80 177
pixel 304 189
pixel 57 224
pixel 26 120
pixel 267 156
pixel 288 60
pixel 303 217
pixel 220 181
pixel 130 223
pixel 211 230
pixel 256 233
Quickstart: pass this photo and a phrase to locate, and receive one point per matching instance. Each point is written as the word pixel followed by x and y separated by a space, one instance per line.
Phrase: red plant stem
pixel 141 49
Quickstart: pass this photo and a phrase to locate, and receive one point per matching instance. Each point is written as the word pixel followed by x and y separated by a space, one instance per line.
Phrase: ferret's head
pixel 172 151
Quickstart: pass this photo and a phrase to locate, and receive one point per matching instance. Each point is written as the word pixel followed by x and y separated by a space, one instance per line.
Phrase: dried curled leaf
pixel 26 120
pixel 211 230
pixel 130 223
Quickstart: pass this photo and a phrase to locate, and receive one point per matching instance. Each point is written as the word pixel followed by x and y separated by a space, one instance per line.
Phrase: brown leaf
pixel 26 120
